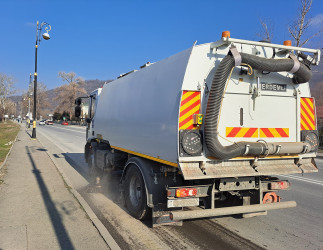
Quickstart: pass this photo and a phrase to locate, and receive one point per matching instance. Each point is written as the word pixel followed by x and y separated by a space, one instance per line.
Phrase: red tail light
pixel 185 192
pixel 279 185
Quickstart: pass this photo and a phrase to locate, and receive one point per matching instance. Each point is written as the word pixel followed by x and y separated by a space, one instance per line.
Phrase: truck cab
pixel 93 101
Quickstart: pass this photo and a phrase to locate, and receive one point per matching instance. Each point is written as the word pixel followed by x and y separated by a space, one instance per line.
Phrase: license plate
pixel 273 87
pixel 189 202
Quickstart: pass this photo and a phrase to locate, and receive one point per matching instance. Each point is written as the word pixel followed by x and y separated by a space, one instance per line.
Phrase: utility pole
pixel 38 39
pixel 29 94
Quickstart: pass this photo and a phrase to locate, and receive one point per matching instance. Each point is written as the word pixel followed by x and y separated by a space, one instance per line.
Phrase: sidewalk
pixel 37 210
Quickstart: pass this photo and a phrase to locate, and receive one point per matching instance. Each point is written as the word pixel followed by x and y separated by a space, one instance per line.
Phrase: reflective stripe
pixel 147 156
pixel 274 132
pixel 190 105
pixel 256 132
pixel 241 132
pixel 308 119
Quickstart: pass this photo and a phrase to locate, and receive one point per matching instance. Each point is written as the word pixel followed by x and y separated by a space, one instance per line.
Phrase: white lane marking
pixel 83 137
pixel 59 146
pixel 82 132
pixel 53 136
pixel 51 140
pixel 304 179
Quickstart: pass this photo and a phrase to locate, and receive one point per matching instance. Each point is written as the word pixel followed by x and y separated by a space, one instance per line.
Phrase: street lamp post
pixel 38 39
pixel 29 106
pixel 29 95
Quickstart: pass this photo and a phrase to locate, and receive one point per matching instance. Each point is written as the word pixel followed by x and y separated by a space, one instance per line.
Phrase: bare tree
pixel 42 99
pixel 43 104
pixel 24 103
pixel 67 93
pixel 6 89
pixel 267 30
pixel 11 108
pixel 299 27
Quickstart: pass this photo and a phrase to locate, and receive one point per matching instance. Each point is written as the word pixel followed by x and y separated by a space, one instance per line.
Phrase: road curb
pixel 107 237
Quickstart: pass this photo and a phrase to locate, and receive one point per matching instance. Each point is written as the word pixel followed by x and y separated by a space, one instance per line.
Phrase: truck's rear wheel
pixel 135 193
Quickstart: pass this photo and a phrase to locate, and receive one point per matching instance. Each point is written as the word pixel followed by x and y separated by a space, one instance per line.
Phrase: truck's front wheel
pixel 135 193
pixel 94 173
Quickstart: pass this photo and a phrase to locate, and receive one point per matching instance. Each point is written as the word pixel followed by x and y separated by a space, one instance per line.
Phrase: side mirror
pixel 78 111
pixel 78 101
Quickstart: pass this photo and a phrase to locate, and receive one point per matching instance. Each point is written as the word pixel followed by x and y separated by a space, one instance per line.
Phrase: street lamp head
pixel 47 29
pixel 46 36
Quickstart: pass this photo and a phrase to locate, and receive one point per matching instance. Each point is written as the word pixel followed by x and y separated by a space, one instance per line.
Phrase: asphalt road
pixel 294 228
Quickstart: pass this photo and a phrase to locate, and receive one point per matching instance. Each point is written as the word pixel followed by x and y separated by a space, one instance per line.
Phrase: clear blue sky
pixel 102 39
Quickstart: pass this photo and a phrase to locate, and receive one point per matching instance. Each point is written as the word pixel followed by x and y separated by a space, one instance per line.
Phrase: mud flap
pixel 307 165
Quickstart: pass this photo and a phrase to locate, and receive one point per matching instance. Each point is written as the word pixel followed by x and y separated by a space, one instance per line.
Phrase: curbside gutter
pixel 112 244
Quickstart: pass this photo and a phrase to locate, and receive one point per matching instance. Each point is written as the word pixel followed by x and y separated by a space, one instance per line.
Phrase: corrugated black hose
pixel 220 78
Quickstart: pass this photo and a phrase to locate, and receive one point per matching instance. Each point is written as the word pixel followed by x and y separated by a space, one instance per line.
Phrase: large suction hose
pixel 215 99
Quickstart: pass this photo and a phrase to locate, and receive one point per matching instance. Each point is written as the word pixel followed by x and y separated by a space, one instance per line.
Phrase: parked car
pixel 64 123
pixel 42 122
pixel 49 122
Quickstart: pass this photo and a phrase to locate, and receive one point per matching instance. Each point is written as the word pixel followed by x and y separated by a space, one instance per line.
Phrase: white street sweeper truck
pixel 208 131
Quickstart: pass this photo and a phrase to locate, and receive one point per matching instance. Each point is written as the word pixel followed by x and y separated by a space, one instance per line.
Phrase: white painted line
pixel 304 179
pixel 82 132
pixel 83 137
pixel 50 139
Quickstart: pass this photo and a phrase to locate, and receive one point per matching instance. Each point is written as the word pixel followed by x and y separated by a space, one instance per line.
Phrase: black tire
pixel 135 194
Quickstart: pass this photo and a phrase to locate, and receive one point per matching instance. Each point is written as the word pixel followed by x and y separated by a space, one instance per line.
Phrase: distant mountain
pixel 89 86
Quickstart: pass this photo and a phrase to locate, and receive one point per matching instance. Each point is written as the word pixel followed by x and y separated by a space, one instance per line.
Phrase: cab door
pixel 90 130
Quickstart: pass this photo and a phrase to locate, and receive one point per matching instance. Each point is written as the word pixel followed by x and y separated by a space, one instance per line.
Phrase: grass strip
pixel 8 133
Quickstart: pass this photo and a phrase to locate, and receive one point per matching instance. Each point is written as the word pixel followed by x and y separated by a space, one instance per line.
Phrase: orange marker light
pixel 226 34
pixel 288 43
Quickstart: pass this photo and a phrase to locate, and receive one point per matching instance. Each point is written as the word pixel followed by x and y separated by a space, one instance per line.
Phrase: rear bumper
pixel 194 214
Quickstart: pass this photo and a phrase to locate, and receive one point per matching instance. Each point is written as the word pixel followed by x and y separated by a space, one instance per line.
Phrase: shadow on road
pixel 76 160
pixel 60 231
pixel 109 180
pixel 28 133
